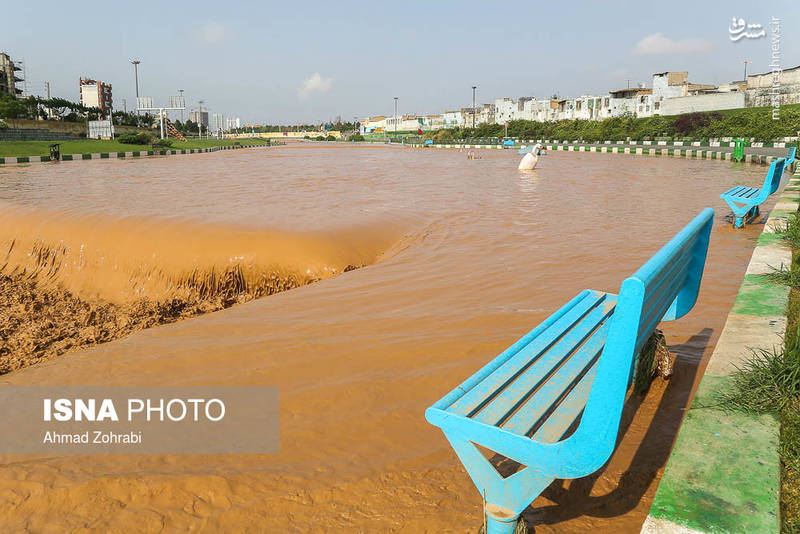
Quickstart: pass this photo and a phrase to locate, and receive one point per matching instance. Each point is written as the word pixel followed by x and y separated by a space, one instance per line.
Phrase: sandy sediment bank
pixel 65 285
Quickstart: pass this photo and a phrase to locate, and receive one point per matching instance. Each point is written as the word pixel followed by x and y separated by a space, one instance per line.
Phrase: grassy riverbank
pixel 769 382
pixel 92 146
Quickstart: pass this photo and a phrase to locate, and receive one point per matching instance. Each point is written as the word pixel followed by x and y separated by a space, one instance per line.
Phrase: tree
pixel 12 108
pixel 123 118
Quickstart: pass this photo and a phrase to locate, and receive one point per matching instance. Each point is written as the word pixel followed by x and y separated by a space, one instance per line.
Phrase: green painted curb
pixel 761 298
pixel 736 488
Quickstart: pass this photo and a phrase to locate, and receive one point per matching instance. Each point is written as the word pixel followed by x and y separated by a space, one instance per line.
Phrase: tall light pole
pixel 473 105
pixel 136 76
pixel 395 116
pixel 745 70
pixel 181 92
pixel 200 119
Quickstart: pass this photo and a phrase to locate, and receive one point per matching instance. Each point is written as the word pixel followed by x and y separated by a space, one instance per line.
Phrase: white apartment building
pixel 453 119
pixel 672 93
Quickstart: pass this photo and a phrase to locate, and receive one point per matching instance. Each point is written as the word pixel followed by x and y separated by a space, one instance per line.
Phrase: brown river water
pixel 462 258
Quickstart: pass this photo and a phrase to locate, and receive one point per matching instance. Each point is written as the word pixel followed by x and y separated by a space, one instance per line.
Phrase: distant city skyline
pixel 273 63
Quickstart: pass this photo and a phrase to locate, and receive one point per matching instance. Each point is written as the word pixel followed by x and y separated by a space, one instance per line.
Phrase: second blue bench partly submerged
pixel 553 400
pixel 744 201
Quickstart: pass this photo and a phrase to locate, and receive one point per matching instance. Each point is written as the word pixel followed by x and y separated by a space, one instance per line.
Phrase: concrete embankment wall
pixel 77 129
pixel 723 475
pixel 708 102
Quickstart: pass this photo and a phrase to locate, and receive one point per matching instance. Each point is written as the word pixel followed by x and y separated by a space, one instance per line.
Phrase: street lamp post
pixel 473 105
pixel 200 119
pixel 181 92
pixel 745 70
pixel 395 116
pixel 136 76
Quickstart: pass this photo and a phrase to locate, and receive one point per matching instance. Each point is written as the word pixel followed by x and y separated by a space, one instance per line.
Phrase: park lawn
pixel 93 146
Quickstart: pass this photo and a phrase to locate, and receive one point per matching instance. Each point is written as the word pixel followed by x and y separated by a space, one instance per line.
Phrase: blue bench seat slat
pixel 517 391
pixel 741 192
pixel 568 410
pixel 531 412
pixel 480 392
pixel 735 190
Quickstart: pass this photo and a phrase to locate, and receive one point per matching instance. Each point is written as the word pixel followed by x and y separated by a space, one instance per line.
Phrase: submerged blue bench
pixel 790 157
pixel 744 201
pixel 553 400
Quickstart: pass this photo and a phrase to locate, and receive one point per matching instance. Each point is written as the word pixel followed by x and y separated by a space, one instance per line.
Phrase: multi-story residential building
pixel 667 85
pixel 485 114
pixel 627 101
pixel 433 122
pixel 505 110
pixel 405 123
pixel 9 76
pixel 587 107
pixel 470 117
pixel 672 93
pixel 199 117
pixel 95 94
pixel 453 119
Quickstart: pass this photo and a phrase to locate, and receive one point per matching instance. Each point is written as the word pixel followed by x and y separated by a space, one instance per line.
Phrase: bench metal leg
pixel 506 498
pixel 737 222
pixel 500 524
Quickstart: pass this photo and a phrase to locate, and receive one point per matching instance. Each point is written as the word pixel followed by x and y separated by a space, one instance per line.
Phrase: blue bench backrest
pixel 429 142
pixel 644 301
pixel 508 143
pixel 791 155
pixel 773 179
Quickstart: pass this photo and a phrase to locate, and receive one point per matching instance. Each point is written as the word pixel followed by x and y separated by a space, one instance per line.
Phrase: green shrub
pixel 163 143
pixel 135 138
pixel 330 138
pixel 357 137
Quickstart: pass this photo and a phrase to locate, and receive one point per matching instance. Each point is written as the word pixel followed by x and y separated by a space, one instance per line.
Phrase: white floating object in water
pixel 530 159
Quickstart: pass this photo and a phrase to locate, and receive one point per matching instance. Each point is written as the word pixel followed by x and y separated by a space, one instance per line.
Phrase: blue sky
pixel 290 62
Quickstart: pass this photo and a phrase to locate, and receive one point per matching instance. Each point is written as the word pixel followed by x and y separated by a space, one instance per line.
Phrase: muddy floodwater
pixel 461 257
